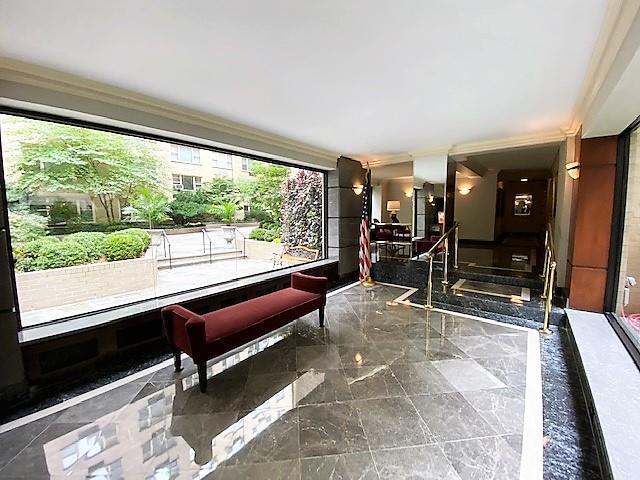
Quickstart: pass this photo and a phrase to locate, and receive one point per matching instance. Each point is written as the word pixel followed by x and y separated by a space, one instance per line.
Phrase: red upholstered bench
pixel 204 337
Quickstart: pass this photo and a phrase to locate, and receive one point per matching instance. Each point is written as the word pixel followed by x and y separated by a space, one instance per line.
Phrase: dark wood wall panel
pixel 593 214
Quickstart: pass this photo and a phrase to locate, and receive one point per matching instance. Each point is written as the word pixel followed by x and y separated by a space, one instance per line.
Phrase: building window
pixel 91 195
pixel 187 182
pixel 222 160
pixel 246 164
pixel 183 154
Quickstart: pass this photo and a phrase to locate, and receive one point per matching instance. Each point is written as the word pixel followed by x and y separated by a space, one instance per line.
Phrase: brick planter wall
pixel 61 286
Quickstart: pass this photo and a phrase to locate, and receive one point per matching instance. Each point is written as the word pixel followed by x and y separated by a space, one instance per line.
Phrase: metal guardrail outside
pixel 165 243
pixel 444 239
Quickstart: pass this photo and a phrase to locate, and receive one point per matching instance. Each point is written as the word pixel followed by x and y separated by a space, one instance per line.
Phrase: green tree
pixel 149 206
pixel 188 207
pixel 107 166
pixel 265 191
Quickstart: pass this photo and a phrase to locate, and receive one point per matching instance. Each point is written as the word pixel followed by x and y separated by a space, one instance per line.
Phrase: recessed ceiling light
pixel 524 179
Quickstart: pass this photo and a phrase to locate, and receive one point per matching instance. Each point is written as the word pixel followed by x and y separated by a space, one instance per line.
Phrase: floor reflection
pixel 107 447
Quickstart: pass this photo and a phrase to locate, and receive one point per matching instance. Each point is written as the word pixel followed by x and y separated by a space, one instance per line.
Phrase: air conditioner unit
pixel 178 187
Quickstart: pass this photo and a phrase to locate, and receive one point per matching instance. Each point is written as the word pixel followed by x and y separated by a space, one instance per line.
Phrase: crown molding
pixel 25 73
pixel 618 19
pixel 508 143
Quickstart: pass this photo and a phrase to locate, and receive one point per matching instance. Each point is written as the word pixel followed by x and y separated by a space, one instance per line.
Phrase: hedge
pixel 123 246
pixel 61 254
pixel 92 242
pixel 263 234
pixel 80 248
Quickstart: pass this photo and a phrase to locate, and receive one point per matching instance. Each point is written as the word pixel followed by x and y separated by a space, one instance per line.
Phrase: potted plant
pixel 227 212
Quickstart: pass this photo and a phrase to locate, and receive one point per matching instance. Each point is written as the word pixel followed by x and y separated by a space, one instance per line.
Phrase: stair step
pixel 164 263
pixel 532 282
pixel 532 311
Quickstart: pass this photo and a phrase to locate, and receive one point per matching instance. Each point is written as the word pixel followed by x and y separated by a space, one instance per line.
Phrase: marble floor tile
pixel 503 408
pixel 384 391
pixel 385 333
pixel 483 459
pixel 511 371
pixel 101 406
pixel 274 359
pixel 492 346
pixel 277 439
pixel 223 394
pixel 424 462
pixel 322 386
pixel 450 417
pixel 282 470
pixel 421 378
pixel 373 382
pixel 419 351
pixel 320 357
pixel 32 462
pixel 348 466
pixel 392 422
pixel 260 387
pixel 356 356
pixel 456 326
pixel 330 429
pixel 466 374
pixel 14 441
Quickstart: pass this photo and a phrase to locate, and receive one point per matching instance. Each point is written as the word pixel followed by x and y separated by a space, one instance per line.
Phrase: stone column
pixel 345 210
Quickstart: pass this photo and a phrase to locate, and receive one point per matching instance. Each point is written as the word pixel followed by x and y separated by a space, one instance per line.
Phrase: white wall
pixel 396 190
pixel 476 211
pixel 376 202
pixel 562 220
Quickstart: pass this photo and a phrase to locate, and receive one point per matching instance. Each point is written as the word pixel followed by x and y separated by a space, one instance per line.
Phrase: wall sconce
pixel 357 189
pixel 464 190
pixel 573 169
pixel 408 193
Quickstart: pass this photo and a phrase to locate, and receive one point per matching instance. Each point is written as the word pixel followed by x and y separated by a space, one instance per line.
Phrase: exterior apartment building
pixel 190 167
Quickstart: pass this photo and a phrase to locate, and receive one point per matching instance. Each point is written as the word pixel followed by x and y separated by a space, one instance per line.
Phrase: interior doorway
pixel 504 202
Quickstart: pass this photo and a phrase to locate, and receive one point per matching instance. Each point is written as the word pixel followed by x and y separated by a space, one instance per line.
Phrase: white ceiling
pixel 365 78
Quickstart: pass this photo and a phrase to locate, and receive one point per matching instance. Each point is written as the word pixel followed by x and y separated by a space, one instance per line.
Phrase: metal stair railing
pixel 443 240
pixel 549 275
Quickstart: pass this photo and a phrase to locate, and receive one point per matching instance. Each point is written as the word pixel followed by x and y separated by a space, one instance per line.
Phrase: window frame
pixel 48 117
pixel 617 237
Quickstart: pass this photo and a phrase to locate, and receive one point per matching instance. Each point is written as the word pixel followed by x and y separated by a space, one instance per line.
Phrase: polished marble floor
pixel 386 390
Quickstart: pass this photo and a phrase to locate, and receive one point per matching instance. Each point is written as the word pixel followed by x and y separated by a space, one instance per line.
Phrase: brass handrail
pixel 431 253
pixel 549 275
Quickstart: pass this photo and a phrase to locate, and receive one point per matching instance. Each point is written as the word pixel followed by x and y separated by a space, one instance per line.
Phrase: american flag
pixel 365 240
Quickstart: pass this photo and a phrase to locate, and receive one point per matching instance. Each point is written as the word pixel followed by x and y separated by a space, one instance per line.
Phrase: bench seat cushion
pixel 238 324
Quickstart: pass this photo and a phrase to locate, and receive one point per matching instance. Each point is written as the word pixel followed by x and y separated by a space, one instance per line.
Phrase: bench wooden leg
pixel 177 360
pixel 202 376
pixel 321 316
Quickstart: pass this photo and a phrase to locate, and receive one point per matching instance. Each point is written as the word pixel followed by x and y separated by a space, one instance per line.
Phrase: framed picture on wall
pixel 522 204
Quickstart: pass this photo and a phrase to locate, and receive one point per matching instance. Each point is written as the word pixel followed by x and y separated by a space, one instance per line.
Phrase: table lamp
pixel 393 206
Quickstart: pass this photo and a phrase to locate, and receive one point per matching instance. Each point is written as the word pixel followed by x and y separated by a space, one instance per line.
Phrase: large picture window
pixel 627 301
pixel 99 220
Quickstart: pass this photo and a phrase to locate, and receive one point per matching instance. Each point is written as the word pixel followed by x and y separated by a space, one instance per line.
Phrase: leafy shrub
pixel 91 241
pixel 26 226
pixel 189 207
pixel 61 254
pixel 26 254
pixel 143 236
pixel 263 234
pixel 123 246
pixel 301 212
